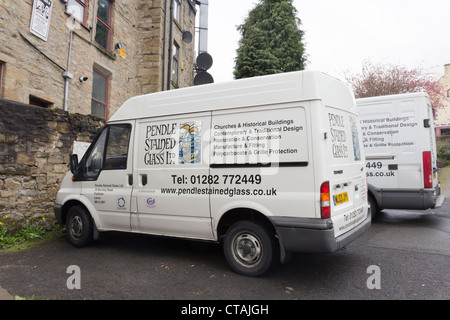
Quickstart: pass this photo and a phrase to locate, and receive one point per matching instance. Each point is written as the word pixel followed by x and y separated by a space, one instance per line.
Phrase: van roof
pixel 393 97
pixel 264 90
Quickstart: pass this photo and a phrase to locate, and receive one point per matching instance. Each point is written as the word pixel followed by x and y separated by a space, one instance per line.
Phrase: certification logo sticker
pixel 121 203
pixel 151 202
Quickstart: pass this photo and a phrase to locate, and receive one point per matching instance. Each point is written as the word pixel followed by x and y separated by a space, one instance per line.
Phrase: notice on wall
pixel 40 18
pixel 80 148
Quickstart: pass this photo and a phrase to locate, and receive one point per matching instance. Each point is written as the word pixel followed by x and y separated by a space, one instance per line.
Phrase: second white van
pixel 400 146
pixel 265 166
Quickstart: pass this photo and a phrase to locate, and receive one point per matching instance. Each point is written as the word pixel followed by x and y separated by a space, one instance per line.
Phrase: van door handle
pixel 130 179
pixel 144 179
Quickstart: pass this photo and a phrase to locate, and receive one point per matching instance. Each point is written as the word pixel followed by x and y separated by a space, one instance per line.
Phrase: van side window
pixel 94 162
pixel 110 151
pixel 117 147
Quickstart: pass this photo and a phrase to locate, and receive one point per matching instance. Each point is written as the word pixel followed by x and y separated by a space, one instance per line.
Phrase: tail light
pixel 427 170
pixel 325 212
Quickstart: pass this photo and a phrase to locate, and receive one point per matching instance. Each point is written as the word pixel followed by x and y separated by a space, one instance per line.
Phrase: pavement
pixel 4 295
pixel 445 187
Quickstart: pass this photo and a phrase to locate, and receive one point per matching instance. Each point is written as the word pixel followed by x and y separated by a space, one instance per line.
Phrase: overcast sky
pixel 340 34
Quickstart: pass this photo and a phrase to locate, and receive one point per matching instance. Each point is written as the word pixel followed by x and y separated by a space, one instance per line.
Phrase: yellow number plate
pixel 340 198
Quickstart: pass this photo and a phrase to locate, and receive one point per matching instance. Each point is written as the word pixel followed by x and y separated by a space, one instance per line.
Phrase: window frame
pixel 175 63
pixel 177 10
pixel 106 24
pixel 106 103
pixel 85 11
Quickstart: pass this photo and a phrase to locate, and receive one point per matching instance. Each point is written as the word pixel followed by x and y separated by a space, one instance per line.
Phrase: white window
pixel 177 10
pixel 77 9
pixel 176 55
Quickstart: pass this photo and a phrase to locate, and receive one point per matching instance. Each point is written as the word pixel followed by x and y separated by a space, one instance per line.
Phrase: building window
pixel 38 102
pixel 103 29
pixel 99 102
pixel 176 55
pixel 77 9
pixel 176 9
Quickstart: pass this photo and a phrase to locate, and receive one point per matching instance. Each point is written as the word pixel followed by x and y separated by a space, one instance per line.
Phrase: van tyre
pixel 79 227
pixel 373 207
pixel 250 248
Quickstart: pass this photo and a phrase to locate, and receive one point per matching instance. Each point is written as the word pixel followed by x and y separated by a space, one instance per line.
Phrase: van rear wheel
pixel 249 248
pixel 79 227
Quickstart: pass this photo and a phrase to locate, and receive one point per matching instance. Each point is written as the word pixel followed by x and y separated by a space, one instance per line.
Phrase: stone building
pixel 442 121
pixel 89 56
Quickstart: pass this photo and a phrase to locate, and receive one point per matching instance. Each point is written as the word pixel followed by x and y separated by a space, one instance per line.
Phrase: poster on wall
pixel 40 18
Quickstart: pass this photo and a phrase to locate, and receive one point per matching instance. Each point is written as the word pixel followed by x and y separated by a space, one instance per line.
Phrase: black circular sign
pixel 203 77
pixel 204 61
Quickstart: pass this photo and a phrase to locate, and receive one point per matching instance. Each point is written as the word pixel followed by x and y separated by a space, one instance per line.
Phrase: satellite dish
pixel 187 36
pixel 204 61
pixel 203 77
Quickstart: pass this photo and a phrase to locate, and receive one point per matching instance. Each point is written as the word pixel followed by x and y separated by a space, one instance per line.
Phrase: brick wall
pixel 35 145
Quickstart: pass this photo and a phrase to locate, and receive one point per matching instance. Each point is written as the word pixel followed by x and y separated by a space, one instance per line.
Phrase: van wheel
pixel 249 248
pixel 373 207
pixel 79 227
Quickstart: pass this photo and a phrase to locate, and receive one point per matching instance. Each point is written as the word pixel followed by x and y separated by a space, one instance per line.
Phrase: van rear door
pixel 429 124
pixel 347 185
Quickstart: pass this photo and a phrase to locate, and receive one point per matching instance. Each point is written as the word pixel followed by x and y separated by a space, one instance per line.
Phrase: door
pixel 172 176
pixel 347 185
pixel 107 179
pixel 429 124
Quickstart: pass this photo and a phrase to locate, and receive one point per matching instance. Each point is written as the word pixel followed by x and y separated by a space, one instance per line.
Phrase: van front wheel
pixel 249 248
pixel 79 227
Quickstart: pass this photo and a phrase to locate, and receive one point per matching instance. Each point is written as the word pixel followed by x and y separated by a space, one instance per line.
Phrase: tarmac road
pixel 410 249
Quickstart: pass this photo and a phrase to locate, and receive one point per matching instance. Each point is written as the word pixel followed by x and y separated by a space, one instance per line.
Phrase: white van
pixel 267 166
pixel 400 146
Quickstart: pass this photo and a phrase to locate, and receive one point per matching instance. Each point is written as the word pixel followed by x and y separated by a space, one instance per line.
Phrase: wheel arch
pixel 79 202
pixel 242 214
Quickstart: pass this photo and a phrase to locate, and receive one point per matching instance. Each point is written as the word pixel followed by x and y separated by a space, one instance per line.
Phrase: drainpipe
pixel 169 65
pixel 203 26
pixel 163 78
pixel 67 75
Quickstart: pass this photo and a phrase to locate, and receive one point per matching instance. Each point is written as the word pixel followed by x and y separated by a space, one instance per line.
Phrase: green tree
pixel 271 40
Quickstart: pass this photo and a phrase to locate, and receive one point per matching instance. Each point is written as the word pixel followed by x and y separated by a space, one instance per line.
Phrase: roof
pixel 264 90
pixel 412 95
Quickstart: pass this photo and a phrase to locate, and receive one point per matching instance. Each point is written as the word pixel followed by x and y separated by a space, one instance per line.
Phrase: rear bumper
pixel 415 199
pixel 314 235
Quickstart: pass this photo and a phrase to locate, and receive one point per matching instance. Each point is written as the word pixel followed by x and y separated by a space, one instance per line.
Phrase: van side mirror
pixel 74 163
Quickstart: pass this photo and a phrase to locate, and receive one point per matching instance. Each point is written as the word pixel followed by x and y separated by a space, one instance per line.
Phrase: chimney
pixel 447 69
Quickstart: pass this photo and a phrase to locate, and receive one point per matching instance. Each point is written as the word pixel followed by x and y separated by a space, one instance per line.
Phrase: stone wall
pixel 35 145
